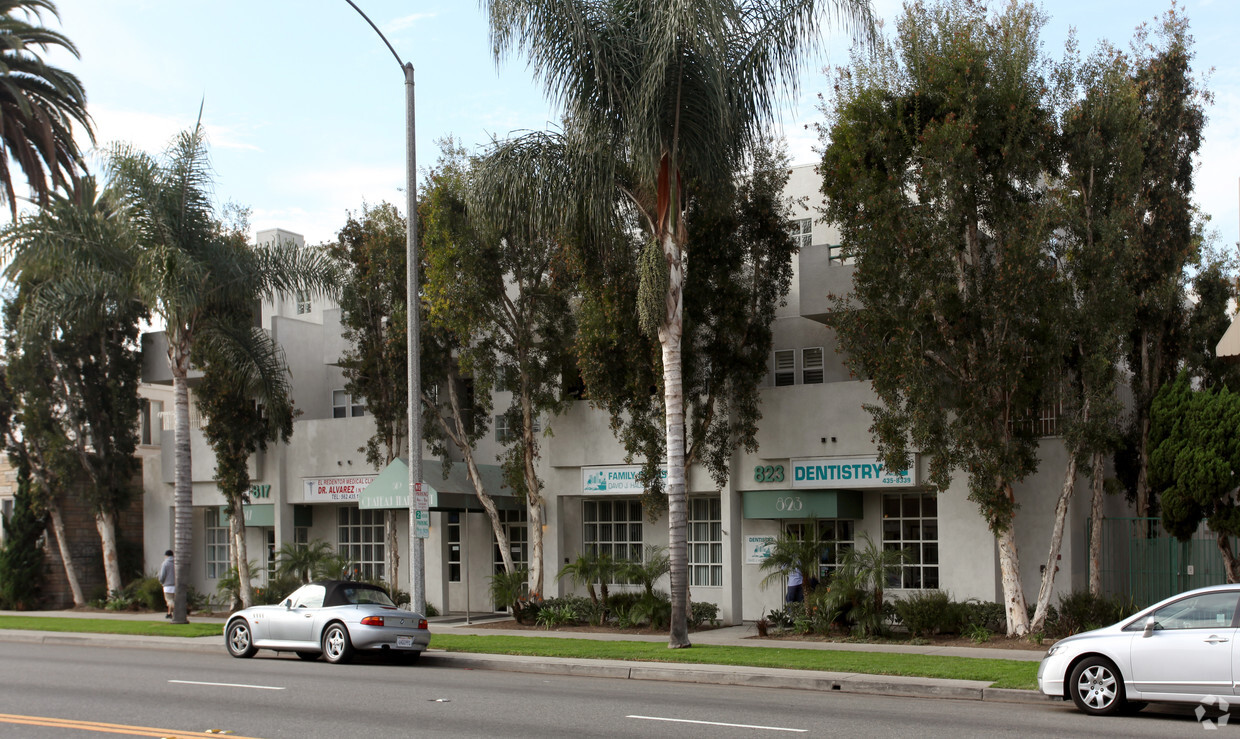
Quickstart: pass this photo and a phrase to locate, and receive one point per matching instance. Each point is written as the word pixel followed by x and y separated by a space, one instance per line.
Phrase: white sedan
pixel 1181 650
pixel 332 618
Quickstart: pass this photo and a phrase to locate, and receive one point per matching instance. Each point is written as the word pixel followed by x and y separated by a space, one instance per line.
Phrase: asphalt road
pixel 44 689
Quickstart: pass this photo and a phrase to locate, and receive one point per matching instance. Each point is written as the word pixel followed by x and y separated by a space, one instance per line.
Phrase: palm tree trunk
pixel 670 334
pixel 183 499
pixel 1095 527
pixel 105 523
pixel 66 558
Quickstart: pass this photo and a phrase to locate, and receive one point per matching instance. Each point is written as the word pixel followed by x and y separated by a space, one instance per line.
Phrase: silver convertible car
pixel 334 618
pixel 1181 650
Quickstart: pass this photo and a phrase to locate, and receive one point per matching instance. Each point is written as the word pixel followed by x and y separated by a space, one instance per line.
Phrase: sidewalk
pixel 615 669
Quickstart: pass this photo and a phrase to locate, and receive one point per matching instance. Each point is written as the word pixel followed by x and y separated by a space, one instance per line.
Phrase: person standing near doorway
pixel 168 578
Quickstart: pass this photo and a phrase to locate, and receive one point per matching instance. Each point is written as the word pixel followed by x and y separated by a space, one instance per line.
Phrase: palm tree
pixel 794 551
pixel 657 96
pixel 190 275
pixel 38 104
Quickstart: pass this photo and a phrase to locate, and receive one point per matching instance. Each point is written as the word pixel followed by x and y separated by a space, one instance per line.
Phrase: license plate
pixel 404 641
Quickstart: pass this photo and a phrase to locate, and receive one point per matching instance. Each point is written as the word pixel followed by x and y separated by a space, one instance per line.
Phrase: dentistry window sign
pixel 336 489
pixel 614 480
pixel 850 472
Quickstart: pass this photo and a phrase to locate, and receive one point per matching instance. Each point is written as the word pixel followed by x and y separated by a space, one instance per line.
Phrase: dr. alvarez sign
pixel 850 472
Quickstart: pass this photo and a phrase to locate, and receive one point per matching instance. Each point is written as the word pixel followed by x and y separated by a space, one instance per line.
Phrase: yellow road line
pixel 97 726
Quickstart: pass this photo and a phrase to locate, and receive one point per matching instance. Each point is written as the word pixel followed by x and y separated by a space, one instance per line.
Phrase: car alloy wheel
pixel 336 645
pixel 1097 688
pixel 240 640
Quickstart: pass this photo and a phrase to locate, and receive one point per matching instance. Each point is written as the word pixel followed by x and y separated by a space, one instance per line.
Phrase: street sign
pixel 421 511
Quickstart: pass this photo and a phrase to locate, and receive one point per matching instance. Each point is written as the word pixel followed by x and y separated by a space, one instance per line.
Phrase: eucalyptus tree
pixel 69 261
pixel 1172 104
pixel 1096 195
pixel 39 104
pixel 937 151
pixel 190 276
pixel 370 252
pixel 499 286
pixel 659 98
pixel 244 400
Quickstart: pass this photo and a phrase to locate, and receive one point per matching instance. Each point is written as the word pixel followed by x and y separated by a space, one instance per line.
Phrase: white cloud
pixel 408 21
pixel 152 132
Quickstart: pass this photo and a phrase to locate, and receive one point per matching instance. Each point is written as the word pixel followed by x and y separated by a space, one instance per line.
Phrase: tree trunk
pixel 236 528
pixel 66 559
pixel 670 334
pixel 1144 398
pixel 1047 587
pixel 1230 563
pixel 1009 573
pixel 105 522
pixel 183 499
pixel 1095 527
pixel 391 552
pixel 533 497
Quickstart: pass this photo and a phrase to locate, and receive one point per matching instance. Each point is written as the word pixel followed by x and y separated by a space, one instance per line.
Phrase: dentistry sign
pixel 614 480
pixel 850 472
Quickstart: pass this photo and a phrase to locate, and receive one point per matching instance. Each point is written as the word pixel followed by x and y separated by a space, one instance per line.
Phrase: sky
pixel 304 105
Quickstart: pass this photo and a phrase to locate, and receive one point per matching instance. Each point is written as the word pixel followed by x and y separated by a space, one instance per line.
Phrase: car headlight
pixel 1054 648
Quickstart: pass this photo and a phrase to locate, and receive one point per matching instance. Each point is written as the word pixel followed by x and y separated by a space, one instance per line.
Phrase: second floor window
pixel 303 302
pixel 344 405
pixel 802 232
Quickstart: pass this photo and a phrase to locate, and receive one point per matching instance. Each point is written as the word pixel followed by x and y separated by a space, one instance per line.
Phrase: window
pixel 454 547
pixel 838 537
pixel 360 538
pixel 217 545
pixel 343 405
pixel 152 410
pixel 1206 611
pixel 705 542
pixel 811 365
pixel 802 232
pixel 785 367
pixel 271 555
pixel 613 528
pixel 910 521
pixel 303 302
pixel 501 429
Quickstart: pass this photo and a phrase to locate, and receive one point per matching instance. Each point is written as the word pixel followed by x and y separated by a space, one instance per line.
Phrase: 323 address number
pixel 768 473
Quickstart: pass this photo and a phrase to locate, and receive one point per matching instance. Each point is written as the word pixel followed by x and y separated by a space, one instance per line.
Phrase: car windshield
pixel 366 596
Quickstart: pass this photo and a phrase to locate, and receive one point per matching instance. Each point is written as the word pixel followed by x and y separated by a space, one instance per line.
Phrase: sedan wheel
pixel 1097 688
pixel 240 640
pixel 336 645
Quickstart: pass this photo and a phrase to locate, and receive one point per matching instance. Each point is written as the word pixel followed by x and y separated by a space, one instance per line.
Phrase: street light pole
pixel 417 544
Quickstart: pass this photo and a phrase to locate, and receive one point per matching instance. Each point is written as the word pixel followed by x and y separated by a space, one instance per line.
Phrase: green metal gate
pixel 1141 561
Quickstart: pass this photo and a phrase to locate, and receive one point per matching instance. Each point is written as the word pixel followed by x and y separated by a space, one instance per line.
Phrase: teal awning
pixel 453 492
pixel 802 504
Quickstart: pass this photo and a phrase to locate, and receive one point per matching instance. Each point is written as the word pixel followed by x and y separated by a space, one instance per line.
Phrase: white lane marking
pixel 226 685
pixel 718 723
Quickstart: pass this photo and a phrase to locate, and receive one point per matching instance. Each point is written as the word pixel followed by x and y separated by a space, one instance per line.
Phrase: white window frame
pixel 600 519
pixel 303 302
pixel 359 536
pixel 802 232
pixel 217 543
pixel 813 365
pixel 345 406
pixel 705 539
pixel 785 367
pixel 917 532
pixel 453 540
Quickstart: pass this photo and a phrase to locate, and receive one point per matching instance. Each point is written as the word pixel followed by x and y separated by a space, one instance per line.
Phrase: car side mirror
pixel 1150 623
pixel 288 604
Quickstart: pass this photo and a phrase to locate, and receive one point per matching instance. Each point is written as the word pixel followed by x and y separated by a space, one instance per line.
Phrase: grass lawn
pixel 1003 673
pixel 109 626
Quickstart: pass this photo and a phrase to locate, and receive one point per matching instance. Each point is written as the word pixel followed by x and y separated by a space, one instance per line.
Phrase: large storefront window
pixel 613 528
pixel 360 538
pixel 911 521
pixel 217 545
pixel 705 542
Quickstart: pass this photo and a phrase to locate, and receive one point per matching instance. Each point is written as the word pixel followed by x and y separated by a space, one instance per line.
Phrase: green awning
pixel 802 504
pixel 453 492
pixel 257 514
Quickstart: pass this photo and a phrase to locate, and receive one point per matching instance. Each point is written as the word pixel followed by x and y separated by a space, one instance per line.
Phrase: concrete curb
pixel 757 677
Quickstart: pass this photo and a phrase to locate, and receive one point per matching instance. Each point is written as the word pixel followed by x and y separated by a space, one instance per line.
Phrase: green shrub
pixel 653 610
pixel 982 614
pixel 929 612
pixel 509 589
pixel 431 610
pixel 1082 611
pixel 703 612
pixel 552 616
pixel 147 592
pixel 976 634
